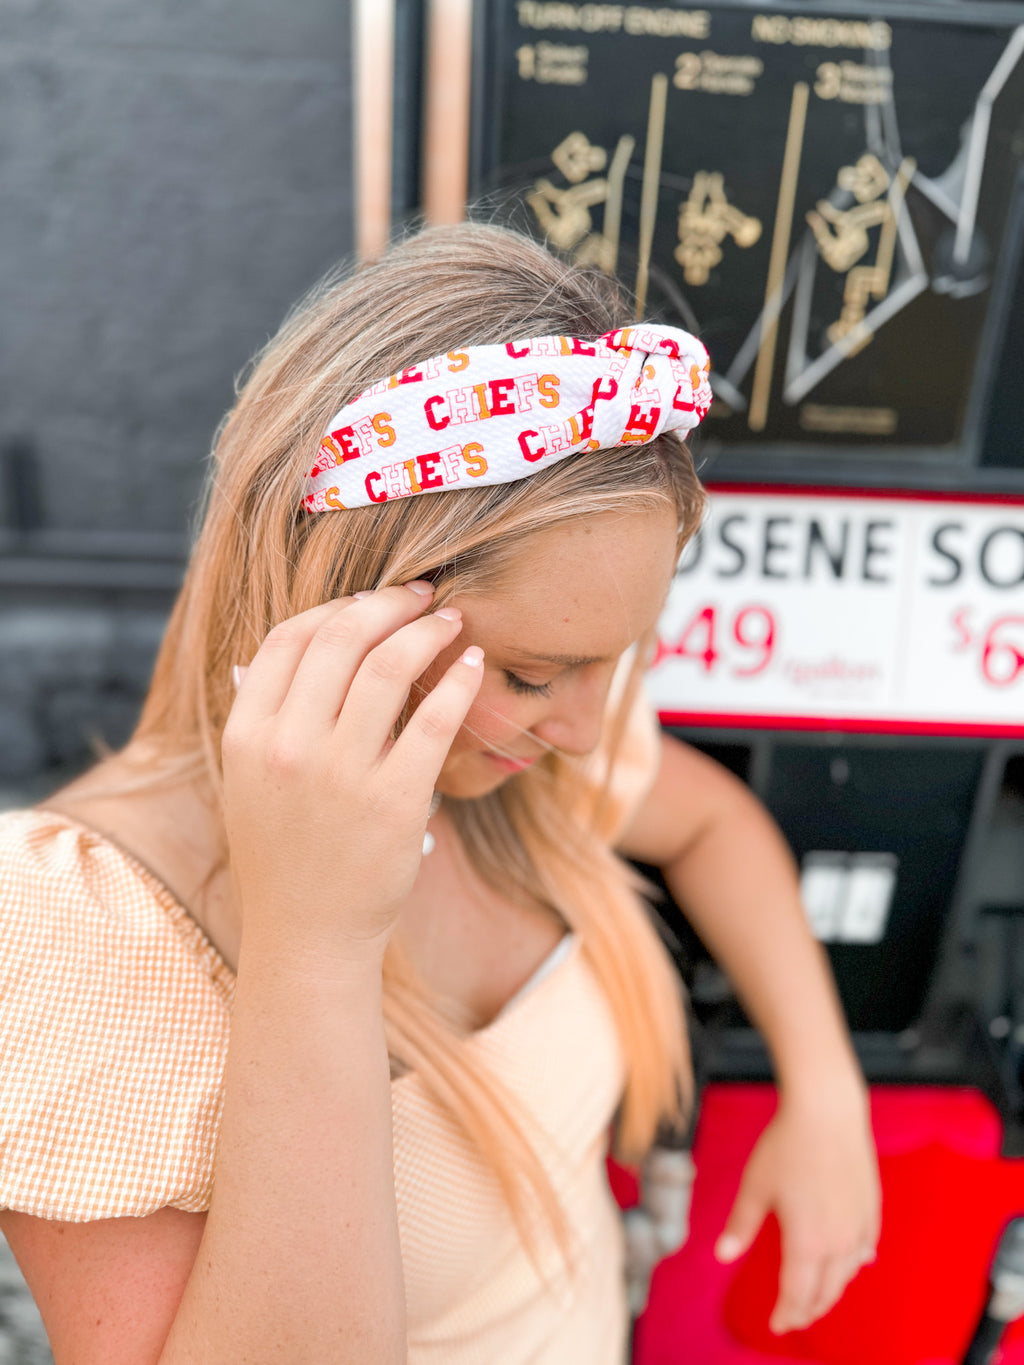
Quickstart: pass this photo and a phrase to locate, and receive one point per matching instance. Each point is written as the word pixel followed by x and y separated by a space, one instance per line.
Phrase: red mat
pixel 946 1198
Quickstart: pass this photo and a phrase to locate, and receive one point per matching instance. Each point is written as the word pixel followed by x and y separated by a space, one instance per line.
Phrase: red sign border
pixel 873 725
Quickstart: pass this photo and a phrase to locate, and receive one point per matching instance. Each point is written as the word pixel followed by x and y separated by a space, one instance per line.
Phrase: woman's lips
pixel 511 765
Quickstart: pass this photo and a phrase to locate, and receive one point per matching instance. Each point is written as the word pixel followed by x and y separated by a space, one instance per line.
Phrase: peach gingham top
pixel 114 1018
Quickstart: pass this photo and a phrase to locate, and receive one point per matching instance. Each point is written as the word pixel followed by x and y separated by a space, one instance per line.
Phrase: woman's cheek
pixel 490 720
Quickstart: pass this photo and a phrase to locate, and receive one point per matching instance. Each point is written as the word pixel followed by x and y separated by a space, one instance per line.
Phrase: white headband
pixel 494 414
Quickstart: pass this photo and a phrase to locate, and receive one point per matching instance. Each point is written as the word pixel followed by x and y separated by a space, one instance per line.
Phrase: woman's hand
pixel 815 1168
pixel 324 811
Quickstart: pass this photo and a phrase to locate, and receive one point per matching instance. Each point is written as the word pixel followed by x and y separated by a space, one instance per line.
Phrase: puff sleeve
pixel 114 1016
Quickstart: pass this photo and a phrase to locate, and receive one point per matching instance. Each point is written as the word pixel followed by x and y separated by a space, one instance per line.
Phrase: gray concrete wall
pixel 173 176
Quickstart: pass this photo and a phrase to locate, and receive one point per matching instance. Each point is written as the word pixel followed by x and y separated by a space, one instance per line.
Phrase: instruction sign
pixel 826 199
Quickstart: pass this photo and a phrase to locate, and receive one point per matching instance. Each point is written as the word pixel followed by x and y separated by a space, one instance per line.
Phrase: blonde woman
pixel 390 861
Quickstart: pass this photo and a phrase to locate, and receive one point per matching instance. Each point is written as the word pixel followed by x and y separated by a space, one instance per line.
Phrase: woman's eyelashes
pixel 526 689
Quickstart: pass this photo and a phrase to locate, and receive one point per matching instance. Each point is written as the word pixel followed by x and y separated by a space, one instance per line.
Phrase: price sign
pixel 861 611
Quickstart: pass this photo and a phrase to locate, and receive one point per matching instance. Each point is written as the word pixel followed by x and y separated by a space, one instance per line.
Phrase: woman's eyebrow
pixel 563 660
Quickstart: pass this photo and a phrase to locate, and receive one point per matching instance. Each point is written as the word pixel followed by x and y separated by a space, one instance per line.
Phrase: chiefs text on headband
pixel 494 414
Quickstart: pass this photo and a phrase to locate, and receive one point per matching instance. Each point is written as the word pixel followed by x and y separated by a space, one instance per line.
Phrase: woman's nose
pixel 574 722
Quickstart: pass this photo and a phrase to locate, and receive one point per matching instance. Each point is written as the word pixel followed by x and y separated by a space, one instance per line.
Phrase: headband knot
pixel 494 414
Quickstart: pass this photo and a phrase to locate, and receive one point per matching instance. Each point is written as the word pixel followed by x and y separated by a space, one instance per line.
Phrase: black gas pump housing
pixel 832 197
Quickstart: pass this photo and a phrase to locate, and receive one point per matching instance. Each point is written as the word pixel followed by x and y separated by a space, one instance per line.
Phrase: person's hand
pixel 324 811
pixel 815 1168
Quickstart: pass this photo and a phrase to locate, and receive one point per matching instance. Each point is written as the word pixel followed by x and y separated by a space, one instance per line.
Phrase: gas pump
pixel 832 197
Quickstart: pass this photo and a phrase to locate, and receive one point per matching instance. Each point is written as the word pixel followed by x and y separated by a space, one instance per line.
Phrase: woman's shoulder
pixel 114 1013
pixel 73 886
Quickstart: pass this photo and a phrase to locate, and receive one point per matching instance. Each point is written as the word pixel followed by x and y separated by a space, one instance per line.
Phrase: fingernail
pixel 474 656
pixel 238 672
pixel 365 593
pixel 421 586
pixel 449 614
pixel 727 1249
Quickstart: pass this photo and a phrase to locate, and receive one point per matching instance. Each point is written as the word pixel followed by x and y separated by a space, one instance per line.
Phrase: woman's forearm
pixel 300 1257
pixel 739 887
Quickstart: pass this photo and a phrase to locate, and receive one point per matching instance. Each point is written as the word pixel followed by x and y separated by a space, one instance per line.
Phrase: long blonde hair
pixel 259 559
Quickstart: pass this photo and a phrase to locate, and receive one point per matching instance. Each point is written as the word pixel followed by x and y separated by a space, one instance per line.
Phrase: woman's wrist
pixel 288 940
pixel 834 1085
pixel 282 962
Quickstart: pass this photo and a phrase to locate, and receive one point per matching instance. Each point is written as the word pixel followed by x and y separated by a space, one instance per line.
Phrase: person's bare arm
pixel 728 867
pixel 298 1258
pixel 107 1290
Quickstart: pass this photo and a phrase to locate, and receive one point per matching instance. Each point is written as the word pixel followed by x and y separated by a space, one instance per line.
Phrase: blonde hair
pixel 259 559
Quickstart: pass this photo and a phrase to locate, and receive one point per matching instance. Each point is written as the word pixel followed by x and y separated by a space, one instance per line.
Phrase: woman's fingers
pixel 270 673
pixel 837 1274
pixel 315 642
pixel 381 686
pixel 810 1286
pixel 423 745
pixel 799 1286
pixel 338 648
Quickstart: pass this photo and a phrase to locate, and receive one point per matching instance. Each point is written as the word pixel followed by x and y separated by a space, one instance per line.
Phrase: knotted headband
pixel 494 414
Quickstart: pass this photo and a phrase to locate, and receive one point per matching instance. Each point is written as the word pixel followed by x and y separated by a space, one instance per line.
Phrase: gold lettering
pixel 572 18
pixel 863 421
pixel 853 83
pixel 812 31
pixel 717 74
pixel 667 23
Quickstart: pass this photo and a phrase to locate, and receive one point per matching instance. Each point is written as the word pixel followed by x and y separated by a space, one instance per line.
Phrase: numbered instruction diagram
pixel 826 199
pixel 856 611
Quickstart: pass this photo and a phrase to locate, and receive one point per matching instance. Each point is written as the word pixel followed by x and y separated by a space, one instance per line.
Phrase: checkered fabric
pixel 114 1012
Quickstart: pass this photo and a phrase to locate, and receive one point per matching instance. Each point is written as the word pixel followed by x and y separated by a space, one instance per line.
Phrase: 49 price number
pixel 998 645
pixel 742 643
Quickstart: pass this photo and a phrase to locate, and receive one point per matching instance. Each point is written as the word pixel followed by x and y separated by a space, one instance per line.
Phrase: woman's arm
pixel 298 1258
pixel 727 865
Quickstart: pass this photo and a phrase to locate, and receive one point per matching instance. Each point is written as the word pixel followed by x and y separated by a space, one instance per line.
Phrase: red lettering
pixel 532 455
pixel 680 403
pixel 642 424
pixel 349 443
pixel 375 497
pixel 516 354
pixel 605 387
pixel 429 477
pixel 501 405
pixel 428 408
pixel 579 347
pixel 331 452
